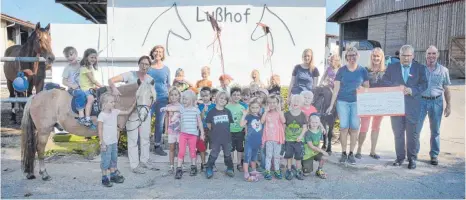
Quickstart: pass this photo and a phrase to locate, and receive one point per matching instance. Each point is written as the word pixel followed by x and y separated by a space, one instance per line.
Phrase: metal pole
pixel 22 59
pixel 14 100
pixel 63 59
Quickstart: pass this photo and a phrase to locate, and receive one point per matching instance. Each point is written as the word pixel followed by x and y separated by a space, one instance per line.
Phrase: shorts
pixel 308 165
pixel 173 138
pixel 347 113
pixel 200 145
pixel 251 153
pixel 237 140
pixel 294 150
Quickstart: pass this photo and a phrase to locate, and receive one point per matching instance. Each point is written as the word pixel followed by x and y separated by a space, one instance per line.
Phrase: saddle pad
pixel 80 100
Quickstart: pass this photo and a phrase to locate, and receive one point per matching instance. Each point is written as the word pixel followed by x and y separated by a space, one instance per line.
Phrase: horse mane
pixel 27 49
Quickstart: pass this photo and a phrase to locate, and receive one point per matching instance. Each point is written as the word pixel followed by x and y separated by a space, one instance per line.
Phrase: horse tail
pixel 28 140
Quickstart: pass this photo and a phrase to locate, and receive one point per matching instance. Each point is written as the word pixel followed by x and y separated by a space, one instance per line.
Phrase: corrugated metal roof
pixel 97 9
pixel 360 9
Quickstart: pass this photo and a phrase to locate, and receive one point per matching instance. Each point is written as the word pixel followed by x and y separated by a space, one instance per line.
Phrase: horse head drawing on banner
pixel 174 13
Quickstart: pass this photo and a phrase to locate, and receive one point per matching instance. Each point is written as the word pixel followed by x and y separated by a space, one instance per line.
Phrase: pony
pixel 37 45
pixel 45 109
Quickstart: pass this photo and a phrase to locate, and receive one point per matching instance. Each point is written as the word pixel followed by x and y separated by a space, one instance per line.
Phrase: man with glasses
pixel 432 100
pixel 412 76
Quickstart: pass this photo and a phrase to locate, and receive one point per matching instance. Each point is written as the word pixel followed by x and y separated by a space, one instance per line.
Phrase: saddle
pixel 79 98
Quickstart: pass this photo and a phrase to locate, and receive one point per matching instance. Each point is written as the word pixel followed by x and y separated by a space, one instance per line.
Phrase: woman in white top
pixel 136 162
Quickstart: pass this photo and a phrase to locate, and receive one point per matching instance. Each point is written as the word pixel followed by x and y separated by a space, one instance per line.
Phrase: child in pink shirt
pixel 273 136
pixel 308 108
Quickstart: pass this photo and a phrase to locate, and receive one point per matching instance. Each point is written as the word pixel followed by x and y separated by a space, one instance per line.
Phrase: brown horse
pixel 45 109
pixel 37 45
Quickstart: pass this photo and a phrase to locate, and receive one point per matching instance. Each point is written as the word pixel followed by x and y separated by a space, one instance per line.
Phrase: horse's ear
pixel 47 28
pixel 152 82
pixel 139 82
pixel 37 26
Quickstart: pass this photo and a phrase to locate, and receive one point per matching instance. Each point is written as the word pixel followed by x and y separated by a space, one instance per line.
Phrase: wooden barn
pixel 419 23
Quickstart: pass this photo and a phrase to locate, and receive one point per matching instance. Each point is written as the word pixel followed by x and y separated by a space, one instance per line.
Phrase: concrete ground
pixel 75 177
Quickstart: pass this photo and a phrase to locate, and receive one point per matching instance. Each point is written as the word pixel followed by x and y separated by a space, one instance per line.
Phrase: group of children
pixel 79 78
pixel 249 122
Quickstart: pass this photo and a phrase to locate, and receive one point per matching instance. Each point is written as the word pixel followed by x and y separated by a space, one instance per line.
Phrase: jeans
pixel 159 118
pixel 109 157
pixel 347 112
pixel 434 109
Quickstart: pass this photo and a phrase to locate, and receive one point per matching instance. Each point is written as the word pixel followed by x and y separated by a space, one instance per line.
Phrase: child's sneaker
pixel 260 169
pixel 230 172
pixel 93 127
pixel 171 169
pixel 268 175
pixel 239 167
pixel 293 169
pixel 278 174
pixel 321 174
pixel 299 174
pixel 179 173
pixel 193 171
pixel 202 167
pixel 288 175
pixel 83 121
pixel 117 179
pixel 106 182
pixel 209 172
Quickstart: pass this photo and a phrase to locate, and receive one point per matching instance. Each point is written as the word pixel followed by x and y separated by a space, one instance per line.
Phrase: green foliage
pixel 123 142
pixel 73 144
pixel 284 95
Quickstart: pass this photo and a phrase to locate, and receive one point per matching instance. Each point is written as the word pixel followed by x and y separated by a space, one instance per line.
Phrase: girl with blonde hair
pixel 255 76
pixel 305 75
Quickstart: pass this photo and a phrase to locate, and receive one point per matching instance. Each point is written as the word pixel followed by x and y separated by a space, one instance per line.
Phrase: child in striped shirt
pixel 191 124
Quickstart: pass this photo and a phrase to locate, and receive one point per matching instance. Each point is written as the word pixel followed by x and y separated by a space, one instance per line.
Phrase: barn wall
pixel 376 29
pixel 366 8
pixel 435 26
pixel 395 33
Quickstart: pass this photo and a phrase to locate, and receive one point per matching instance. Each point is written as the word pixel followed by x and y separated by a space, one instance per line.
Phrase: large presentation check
pixel 383 101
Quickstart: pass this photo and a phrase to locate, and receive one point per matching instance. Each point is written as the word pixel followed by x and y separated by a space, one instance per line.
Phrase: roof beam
pixel 101 2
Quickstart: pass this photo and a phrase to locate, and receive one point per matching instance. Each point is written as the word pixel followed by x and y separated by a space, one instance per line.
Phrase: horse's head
pixel 42 43
pixel 145 96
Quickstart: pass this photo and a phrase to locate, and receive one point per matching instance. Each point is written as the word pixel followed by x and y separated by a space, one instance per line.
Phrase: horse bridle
pixel 139 108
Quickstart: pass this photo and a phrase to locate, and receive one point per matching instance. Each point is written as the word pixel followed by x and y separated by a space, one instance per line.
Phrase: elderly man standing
pixel 412 76
pixel 432 101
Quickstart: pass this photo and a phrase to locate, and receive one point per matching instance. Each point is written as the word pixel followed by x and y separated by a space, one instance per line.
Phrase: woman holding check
pixel 376 71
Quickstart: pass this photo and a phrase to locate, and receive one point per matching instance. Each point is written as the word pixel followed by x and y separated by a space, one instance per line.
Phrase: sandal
pixel 251 179
pixel 375 156
pixel 321 174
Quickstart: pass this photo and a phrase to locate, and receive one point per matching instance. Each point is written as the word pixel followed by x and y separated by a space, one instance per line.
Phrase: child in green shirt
pixel 311 147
